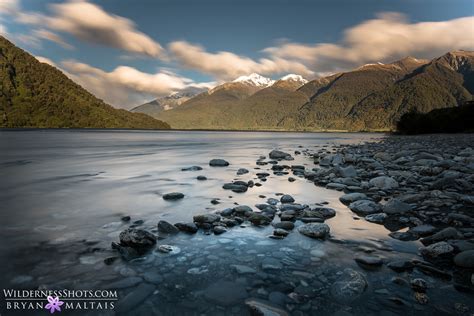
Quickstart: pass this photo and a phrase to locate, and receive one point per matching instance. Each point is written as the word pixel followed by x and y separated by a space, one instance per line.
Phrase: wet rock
pixel 350 285
pixel 201 178
pixel 352 197
pixel 280 155
pixel 365 207
pixel 445 234
pixel 137 238
pixel 164 248
pixel 404 236
pixel 187 227
pixel 243 210
pixel 242 171
pixel 286 198
pixel 234 187
pixel 465 259
pixel 259 307
pixel 192 168
pixel 206 218
pixel 125 219
pixel 315 230
pixel 368 261
pixel 436 250
pixel 225 293
pixel 321 212
pixel 219 230
pixel 280 232
pixel 395 206
pixel 376 218
pixel 259 219
pixel 218 163
pixel 173 196
pixel 287 225
pixel 167 228
pixel 384 183
pixel 348 172
pixel 422 230
pixel 134 298
pixel 419 285
pixel 400 265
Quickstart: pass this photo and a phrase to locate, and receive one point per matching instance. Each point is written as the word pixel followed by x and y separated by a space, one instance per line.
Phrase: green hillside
pixel 34 94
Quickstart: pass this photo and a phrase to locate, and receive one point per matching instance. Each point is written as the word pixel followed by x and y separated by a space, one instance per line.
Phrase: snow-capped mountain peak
pixel 255 80
pixel 294 78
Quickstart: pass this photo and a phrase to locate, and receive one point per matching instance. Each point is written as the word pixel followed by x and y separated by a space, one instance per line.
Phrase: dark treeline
pixel 458 119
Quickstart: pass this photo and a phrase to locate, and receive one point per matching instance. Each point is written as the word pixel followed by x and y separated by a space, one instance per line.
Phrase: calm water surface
pixel 63 193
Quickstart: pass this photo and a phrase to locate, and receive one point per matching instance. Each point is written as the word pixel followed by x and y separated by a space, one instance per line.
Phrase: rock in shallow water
pixel 352 197
pixel 258 307
pixel 132 299
pixel 137 238
pixel 286 198
pixel 206 218
pixel 349 286
pixel 167 228
pixel 365 207
pixel 314 230
pixel 225 293
pixel 277 154
pixel 218 163
pixel 376 218
pixel 187 227
pixel 173 196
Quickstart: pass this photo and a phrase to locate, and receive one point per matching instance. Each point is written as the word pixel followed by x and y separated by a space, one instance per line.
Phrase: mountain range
pixel 35 94
pixel 371 97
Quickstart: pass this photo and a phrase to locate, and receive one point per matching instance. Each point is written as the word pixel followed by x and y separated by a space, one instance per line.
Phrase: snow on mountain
pixel 255 80
pixel 295 78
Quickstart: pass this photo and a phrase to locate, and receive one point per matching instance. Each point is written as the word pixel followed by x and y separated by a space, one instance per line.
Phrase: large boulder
pixel 315 230
pixel 137 238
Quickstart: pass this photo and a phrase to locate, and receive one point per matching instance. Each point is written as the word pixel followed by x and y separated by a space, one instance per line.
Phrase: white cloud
pixel 8 6
pixel 227 65
pixel 53 37
pixel 124 86
pixel 387 37
pixel 90 23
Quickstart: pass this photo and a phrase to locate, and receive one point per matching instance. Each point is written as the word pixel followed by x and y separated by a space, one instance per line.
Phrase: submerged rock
pixel 349 286
pixel 192 168
pixel 259 307
pixel 225 293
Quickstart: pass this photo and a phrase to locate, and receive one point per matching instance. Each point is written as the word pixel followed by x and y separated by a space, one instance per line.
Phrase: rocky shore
pixel 418 188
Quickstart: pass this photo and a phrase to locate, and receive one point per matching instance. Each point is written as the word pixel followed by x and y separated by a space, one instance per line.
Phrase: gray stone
pixel 187 227
pixel 376 218
pixel 314 230
pixel 271 264
pixel 242 171
pixel 395 206
pixel 287 199
pixel 167 228
pixel 218 163
pixel 348 172
pixel 349 286
pixel 280 232
pixel 192 168
pixel 134 298
pixel 384 183
pixel 259 219
pixel 242 269
pixel 436 250
pixel 206 218
pixel 445 234
pixel 173 196
pixel 284 225
pixel 352 197
pixel 259 307
pixel 365 207
pixel 137 238
pixel 277 154
pixel 371 261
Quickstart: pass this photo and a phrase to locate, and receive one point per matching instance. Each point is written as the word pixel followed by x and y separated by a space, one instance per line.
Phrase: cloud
pixel 53 37
pixel 226 65
pixel 90 23
pixel 125 86
pixel 388 37
pixel 8 6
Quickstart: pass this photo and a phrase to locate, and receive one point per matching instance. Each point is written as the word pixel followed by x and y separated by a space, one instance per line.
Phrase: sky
pixel 127 52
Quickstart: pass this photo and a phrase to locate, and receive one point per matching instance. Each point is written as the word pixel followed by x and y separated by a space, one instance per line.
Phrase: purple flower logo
pixel 54 304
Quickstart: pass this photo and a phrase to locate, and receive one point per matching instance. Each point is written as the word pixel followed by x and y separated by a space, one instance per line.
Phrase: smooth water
pixel 62 194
